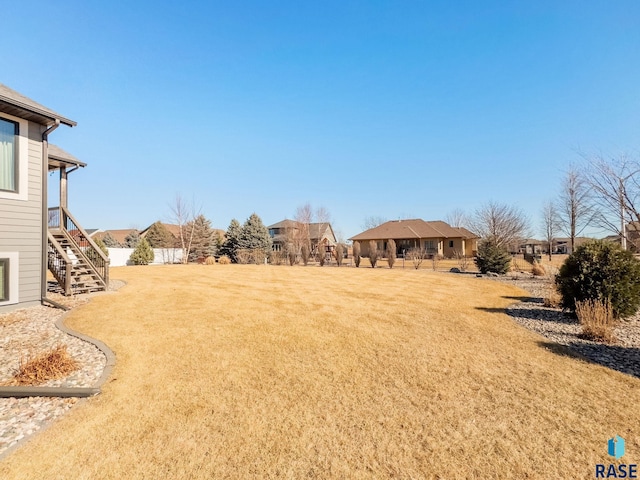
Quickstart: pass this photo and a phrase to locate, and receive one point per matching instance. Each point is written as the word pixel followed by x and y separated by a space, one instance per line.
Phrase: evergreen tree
pixel 132 240
pixel 255 236
pixel 232 242
pixel 143 254
pixel 110 242
pixel 492 258
pixel 203 243
pixel 159 237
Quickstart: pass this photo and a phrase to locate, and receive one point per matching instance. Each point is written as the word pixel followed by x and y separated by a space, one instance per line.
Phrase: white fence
pixel 120 256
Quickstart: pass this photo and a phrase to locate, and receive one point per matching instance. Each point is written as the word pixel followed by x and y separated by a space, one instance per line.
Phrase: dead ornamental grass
pixel 38 369
pixel 258 371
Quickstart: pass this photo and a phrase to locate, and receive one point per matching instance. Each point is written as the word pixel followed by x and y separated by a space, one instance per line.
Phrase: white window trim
pixel 14 261
pixel 23 160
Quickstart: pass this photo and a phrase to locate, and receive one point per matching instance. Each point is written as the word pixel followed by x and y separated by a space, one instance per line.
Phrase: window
pixel 8 278
pixel 4 279
pixel 14 159
pixel 8 155
pixel 450 243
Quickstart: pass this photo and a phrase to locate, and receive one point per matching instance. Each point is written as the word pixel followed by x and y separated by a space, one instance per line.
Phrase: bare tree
pixel 457 218
pixel 615 185
pixel 550 223
pixel 417 256
pixel 372 221
pixel 500 224
pixel 303 218
pixel 575 210
pixel 183 216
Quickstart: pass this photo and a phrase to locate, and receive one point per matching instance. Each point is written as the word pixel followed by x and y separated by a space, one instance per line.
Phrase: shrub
pixel 537 269
pixel 339 253
pixel 210 260
pixel 391 252
pixel 603 271
pixel 463 261
pixel 435 260
pixel 552 299
pixel 417 256
pixel 143 254
pixel 322 255
pixel 356 253
pixel 276 258
pixel 304 252
pixel 244 256
pixel 292 258
pixel 596 318
pixel 224 260
pixel 492 258
pixel 373 253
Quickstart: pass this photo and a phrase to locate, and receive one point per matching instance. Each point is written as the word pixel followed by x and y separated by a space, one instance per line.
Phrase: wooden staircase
pixel 76 262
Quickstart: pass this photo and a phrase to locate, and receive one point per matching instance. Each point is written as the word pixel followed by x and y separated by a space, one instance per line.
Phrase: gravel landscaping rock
pixel 561 328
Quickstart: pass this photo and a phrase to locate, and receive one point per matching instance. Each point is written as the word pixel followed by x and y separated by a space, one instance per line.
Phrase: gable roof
pixel 118 235
pixel 18 105
pixel 414 228
pixel 316 230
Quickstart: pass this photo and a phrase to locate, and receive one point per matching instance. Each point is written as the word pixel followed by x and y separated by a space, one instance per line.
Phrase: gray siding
pixel 21 225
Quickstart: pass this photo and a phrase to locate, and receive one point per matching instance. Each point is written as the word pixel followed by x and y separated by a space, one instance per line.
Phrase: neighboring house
pixel 33 237
pixel 435 237
pixel 292 232
pixel 119 236
pixel 563 245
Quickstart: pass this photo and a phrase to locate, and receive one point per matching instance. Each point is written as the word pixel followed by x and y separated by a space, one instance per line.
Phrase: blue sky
pixel 394 109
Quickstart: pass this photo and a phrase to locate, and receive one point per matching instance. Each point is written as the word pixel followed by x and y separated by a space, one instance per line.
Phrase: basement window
pixel 4 279
pixel 8 278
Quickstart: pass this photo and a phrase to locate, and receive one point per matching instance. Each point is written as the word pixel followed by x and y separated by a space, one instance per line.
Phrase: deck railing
pixel 59 263
pixel 60 218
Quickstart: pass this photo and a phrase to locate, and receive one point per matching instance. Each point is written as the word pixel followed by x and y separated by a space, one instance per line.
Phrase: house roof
pixel 58 158
pixel 316 230
pixel 16 104
pixel 118 235
pixel 415 228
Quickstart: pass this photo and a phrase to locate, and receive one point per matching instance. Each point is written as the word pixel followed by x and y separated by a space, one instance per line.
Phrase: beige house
pixel 435 237
pixel 33 237
pixel 290 231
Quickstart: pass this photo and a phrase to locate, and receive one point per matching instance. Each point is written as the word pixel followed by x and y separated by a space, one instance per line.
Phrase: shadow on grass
pixel 524 299
pixel 534 313
pixel 622 359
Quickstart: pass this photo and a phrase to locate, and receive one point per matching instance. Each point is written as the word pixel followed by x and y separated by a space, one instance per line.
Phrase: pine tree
pixel 255 236
pixel 132 240
pixel 159 237
pixel 232 241
pixel 110 242
pixel 203 243
pixel 143 254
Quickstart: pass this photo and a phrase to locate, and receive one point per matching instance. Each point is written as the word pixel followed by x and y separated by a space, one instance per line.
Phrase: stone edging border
pixel 78 392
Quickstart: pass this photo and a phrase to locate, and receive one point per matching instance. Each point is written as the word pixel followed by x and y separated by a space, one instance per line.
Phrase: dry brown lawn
pixel 293 372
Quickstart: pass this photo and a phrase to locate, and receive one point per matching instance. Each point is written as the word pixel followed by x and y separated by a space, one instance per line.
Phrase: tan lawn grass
pixel 241 371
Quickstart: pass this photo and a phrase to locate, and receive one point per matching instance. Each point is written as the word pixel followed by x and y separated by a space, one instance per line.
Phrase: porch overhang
pixel 59 159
